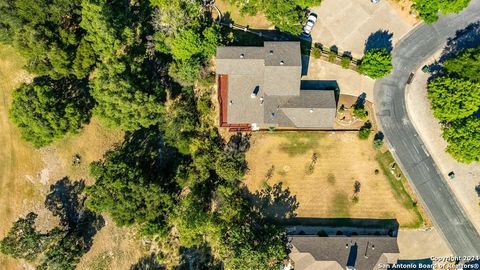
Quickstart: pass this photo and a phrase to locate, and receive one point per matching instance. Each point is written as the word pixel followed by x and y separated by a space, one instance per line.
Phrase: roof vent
pixel 230 103
pixel 242 55
pixel 271 52
pixel 311 110
pixel 282 63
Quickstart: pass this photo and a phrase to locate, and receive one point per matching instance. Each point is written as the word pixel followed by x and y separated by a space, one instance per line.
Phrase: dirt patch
pixel 113 248
pixel 328 190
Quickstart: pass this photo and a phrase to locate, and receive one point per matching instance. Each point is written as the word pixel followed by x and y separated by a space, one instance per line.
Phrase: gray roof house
pixel 342 252
pixel 259 87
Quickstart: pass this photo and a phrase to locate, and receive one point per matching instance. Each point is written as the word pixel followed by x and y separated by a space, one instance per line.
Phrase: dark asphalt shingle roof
pixel 347 251
pixel 275 71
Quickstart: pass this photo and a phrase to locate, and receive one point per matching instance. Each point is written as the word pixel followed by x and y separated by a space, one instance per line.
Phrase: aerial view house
pixel 342 252
pixel 260 88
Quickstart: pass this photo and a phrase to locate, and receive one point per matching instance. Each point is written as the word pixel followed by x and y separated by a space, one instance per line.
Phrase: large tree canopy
pixel 428 9
pixel 463 137
pixel 134 183
pixel 126 85
pixel 466 65
pixel 47 34
pixel 23 240
pixel 376 63
pixel 47 110
pixel 453 98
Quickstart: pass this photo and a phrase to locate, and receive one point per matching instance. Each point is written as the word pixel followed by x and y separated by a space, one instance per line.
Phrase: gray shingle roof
pixel 349 251
pixel 274 71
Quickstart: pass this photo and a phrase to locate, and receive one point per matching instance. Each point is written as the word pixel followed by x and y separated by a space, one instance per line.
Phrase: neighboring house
pixel 259 88
pixel 343 252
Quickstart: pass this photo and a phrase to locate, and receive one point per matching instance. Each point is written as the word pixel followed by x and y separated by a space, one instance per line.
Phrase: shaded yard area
pixel 331 175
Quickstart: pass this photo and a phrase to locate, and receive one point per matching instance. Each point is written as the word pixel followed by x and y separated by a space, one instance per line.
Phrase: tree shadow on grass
pixel 382 39
pixel 65 200
pixel 274 203
pixel 148 262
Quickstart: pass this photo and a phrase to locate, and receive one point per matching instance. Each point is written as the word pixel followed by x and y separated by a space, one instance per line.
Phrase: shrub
pixel 316 52
pixel 377 143
pixel 365 131
pixel 355 199
pixel 332 56
pixel 360 112
pixel 345 63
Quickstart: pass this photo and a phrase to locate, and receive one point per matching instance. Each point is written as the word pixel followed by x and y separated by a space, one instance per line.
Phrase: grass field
pixel 26 174
pixel 320 170
pixel 228 10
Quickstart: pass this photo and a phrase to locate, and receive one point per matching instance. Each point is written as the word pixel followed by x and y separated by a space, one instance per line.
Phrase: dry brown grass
pixel 26 173
pixel 327 191
pixel 258 21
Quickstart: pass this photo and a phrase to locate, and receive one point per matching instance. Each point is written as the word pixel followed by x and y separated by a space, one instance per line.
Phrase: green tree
pixel 428 9
pixel 463 137
pixel 126 85
pixel 231 166
pixel 247 240
pixel 46 33
pixel 465 65
pixel 23 241
pixel 185 72
pixel 376 63
pixel 452 6
pixel 453 98
pixel 47 110
pixel 133 183
pixel 121 102
pixel 179 123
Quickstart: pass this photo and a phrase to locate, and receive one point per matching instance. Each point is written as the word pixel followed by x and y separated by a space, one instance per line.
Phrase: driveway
pixel 347 24
pixel 350 82
pixel 466 176
pixel 404 141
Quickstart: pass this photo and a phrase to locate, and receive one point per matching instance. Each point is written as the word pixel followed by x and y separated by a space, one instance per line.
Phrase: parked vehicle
pixel 312 18
pixel 410 78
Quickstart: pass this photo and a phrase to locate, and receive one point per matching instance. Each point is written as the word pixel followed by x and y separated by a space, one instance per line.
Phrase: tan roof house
pixel 260 87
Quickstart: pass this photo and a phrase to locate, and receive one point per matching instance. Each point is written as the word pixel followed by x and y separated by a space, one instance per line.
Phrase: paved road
pixel 431 186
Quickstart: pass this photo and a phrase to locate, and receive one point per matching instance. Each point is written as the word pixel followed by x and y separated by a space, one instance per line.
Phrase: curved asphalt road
pixel 410 152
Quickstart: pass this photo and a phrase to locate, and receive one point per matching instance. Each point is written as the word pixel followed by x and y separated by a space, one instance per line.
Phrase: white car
pixel 312 18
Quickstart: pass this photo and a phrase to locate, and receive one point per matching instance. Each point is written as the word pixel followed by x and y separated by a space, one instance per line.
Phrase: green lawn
pixel 398 186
